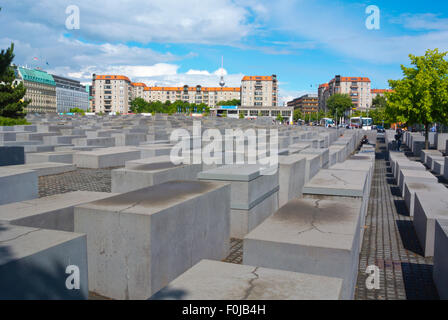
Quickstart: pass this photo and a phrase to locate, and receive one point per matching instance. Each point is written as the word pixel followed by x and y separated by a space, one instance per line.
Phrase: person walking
pixel 398 138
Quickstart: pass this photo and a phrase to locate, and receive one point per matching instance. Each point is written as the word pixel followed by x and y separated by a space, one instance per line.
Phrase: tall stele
pixel 12 103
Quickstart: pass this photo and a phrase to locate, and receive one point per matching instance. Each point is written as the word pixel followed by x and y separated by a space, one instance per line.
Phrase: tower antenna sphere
pixel 222 83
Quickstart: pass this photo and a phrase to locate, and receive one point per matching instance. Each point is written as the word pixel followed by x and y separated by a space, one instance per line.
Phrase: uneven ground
pixel 389 240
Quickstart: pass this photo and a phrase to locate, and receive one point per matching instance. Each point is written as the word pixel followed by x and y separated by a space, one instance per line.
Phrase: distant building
pixel 358 88
pixel 111 93
pixel 254 112
pixel 70 94
pixel 207 95
pixel 259 91
pixel 323 95
pixel 307 104
pixel 379 92
pixel 40 89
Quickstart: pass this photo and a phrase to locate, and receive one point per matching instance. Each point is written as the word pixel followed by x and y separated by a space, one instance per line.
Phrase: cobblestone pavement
pixel 79 180
pixel 390 242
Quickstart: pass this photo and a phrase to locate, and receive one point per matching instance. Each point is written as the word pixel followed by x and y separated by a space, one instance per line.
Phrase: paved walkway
pixel 390 242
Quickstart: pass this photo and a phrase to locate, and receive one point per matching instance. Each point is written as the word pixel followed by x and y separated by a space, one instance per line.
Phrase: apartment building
pixel 111 93
pixel 259 91
pixel 323 95
pixel 40 89
pixel 307 104
pixel 358 88
pixel 70 94
pixel 208 95
pixel 379 92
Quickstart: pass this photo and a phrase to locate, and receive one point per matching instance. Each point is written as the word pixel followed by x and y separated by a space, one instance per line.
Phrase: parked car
pixel 380 129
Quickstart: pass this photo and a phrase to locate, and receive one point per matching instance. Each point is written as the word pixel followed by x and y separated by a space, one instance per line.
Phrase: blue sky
pixel 166 42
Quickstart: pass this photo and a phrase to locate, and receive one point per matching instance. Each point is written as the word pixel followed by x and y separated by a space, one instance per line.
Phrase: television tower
pixel 222 83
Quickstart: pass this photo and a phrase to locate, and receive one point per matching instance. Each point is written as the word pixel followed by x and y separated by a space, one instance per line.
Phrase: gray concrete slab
pixel 140 241
pixel 440 271
pixel 53 212
pixel 316 236
pixel 429 207
pixel 106 157
pixel 17 185
pixel 214 280
pixel 33 264
pixel 412 187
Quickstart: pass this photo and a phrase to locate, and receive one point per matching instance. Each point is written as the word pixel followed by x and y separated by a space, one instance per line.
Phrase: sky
pixel 173 42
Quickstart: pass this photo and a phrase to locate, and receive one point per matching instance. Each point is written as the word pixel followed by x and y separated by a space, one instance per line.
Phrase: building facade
pixel 307 104
pixel 207 95
pixel 358 88
pixel 111 94
pixel 259 91
pixel 40 89
pixel 70 94
pixel 379 92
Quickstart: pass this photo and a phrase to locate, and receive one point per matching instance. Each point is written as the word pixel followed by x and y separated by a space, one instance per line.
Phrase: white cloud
pixel 422 21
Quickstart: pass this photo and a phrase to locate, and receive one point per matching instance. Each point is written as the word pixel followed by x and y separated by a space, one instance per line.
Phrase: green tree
pixel 421 97
pixel 12 103
pixel 338 104
pixel 78 110
pixel 297 115
pixel 279 118
pixel 139 105
pixel 234 102
pixel 241 115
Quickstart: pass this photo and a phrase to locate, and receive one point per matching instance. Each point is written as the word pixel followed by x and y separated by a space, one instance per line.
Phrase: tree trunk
pixel 427 136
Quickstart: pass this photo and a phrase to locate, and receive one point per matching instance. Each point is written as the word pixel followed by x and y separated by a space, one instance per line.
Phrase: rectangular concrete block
pixel 105 157
pixel 254 196
pixel 53 212
pixel 11 156
pixel 33 264
pixel 429 207
pixel 440 271
pixel 411 188
pixel 139 242
pixel 61 156
pixel 45 168
pixel 214 280
pixel 291 177
pixel 143 173
pixel 17 185
pixel 316 236
pixel 414 176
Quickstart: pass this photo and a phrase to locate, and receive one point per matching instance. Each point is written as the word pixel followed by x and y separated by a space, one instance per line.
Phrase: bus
pixel 361 122
pixel 327 123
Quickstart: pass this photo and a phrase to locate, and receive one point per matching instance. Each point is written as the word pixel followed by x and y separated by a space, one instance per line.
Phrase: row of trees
pixel 139 105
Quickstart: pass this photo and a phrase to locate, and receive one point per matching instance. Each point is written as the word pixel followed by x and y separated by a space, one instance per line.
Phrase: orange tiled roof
pixel 111 77
pixel 325 85
pixel 253 78
pixel 138 84
pixel 350 79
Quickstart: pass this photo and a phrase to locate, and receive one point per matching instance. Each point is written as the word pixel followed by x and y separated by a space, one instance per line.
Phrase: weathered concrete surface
pixel 412 187
pixel 38 157
pixel 17 185
pixel 440 273
pixel 53 212
pixel 316 236
pixel 142 240
pixel 45 168
pixel 254 196
pixel 33 263
pixel 406 176
pixel 152 171
pixel 338 183
pixel 105 157
pixel 214 280
pixel 429 207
